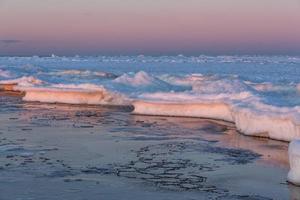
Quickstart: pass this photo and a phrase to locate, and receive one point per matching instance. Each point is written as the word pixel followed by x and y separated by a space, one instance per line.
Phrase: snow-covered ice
pixel 294 157
pixel 259 94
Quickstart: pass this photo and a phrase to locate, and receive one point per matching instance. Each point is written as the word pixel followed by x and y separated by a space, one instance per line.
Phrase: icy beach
pixel 256 95
pixel 259 94
pixel 60 151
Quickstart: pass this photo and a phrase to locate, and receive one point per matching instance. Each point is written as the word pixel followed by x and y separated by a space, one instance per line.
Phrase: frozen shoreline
pixel 105 146
pixel 247 122
pixel 259 94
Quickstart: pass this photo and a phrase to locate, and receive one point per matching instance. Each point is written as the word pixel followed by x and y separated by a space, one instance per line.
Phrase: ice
pixel 142 82
pixel 227 99
pixel 74 94
pixel 139 79
pixel 5 74
pixel 86 87
pixel 85 73
pixel 260 94
pixel 263 120
pixel 294 158
pixel 275 125
pixel 23 81
pixel 206 110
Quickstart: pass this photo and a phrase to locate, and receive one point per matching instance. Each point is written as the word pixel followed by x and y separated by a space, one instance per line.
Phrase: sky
pixel 150 27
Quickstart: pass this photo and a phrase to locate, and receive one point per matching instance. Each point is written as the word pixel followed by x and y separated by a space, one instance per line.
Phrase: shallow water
pixel 56 151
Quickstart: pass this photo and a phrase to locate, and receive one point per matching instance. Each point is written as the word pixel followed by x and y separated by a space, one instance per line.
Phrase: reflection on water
pixel 273 152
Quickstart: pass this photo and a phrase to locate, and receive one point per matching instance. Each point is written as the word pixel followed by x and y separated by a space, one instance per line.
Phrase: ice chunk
pixel 278 125
pixel 74 96
pixel 294 158
pixel 139 79
pixel 5 74
pixel 250 118
pixel 23 81
pixel 206 110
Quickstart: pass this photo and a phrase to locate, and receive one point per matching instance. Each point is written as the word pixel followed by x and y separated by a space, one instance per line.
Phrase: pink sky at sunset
pixel 91 27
